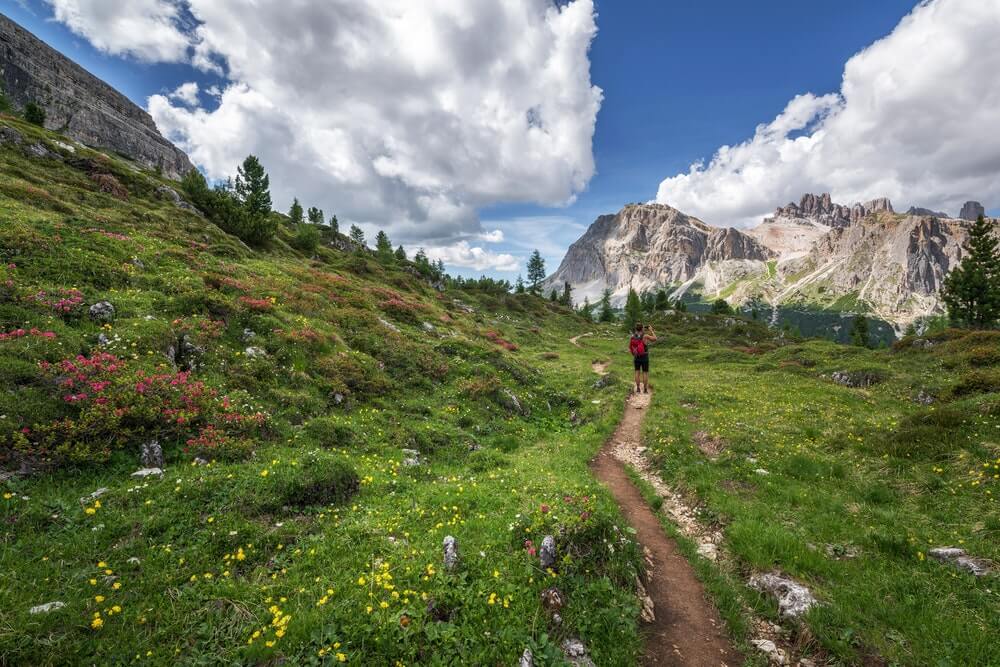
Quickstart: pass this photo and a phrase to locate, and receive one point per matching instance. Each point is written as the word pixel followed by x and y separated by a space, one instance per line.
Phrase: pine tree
pixel 606 314
pixel 334 226
pixel 315 215
pixel 587 310
pixel 383 247
pixel 859 332
pixel 972 290
pixel 358 236
pixel 721 307
pixel 567 295
pixel 440 268
pixel 400 254
pixel 633 309
pixel 648 301
pixel 519 285
pixel 253 188
pixel 295 213
pixel 536 271
pixel 553 295
pixel 662 301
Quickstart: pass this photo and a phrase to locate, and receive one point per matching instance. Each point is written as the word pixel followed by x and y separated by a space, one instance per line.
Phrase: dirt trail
pixel 600 367
pixel 687 630
pixel 575 340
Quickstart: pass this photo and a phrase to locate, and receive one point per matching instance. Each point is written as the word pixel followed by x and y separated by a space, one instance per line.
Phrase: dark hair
pixel 639 326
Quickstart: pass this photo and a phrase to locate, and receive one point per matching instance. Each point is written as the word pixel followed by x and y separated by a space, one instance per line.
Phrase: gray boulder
pixel 576 653
pixel 959 559
pixel 450 558
pixel 857 379
pixel 152 455
pixel 255 352
pixel 9 135
pixel 102 311
pixel 511 402
pixel 793 598
pixel 411 458
pixel 547 552
pixel 527 659
pixel 148 472
pixel 47 607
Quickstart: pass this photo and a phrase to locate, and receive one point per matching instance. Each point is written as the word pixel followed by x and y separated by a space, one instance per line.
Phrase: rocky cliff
pixel 814 254
pixel 80 105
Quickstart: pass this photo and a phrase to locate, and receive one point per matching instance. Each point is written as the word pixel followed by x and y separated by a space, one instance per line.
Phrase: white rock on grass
pixel 527 659
pixel 93 496
pixel 450 558
pixel 411 458
pixel 961 560
pixel 388 325
pixel 794 599
pixel 47 607
pixel 576 653
pixel 148 472
pixel 547 552
pixel 774 654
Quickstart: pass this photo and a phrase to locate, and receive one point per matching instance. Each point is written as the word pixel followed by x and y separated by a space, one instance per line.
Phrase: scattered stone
pixel 510 401
pixel 922 344
pixel 249 335
pixel 527 659
pixel 557 619
pixel 9 135
pixel 547 552
pixel 93 496
pixel 103 340
pixel 172 195
pixel 255 352
pixel 450 553
pixel 648 613
pixel 411 458
pixel 102 311
pixel 774 654
pixel 762 472
pixel 841 551
pixel 806 662
pixel 338 398
pixel 388 325
pixel 604 381
pixel 428 327
pixel 38 150
pixel 576 653
pixel 148 472
pixel 857 379
pixel 463 306
pixel 152 455
pixel 47 607
pixel 794 599
pixel 709 550
pixel 924 398
pixel 961 560
pixel 552 599
pixel 198 461
pixel 64 146
pixel 133 561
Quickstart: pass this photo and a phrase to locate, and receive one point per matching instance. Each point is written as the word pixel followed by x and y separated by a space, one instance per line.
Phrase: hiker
pixel 638 347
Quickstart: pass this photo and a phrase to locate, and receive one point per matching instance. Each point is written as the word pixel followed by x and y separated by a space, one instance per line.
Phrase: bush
pixel 314 481
pixel 926 435
pixel 329 433
pixel 977 382
pixel 34 114
pixel 307 238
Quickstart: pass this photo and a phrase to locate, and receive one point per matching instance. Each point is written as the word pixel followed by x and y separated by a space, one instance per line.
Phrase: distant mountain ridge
pixel 812 254
pixel 79 105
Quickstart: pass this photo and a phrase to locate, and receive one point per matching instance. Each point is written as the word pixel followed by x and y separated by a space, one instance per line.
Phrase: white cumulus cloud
pixel 186 93
pixel 408 115
pixel 916 119
pixel 464 255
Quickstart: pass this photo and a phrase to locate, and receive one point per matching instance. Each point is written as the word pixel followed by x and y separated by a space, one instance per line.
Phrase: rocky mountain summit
pixel 814 254
pixel 80 105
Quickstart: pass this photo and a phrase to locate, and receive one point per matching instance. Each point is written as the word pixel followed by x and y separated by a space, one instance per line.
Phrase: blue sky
pixel 679 80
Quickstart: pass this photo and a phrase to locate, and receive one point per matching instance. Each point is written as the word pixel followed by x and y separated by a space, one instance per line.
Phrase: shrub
pixel 35 114
pixel 314 481
pixel 108 184
pixel 926 435
pixel 351 374
pixel 307 238
pixel 329 433
pixel 978 382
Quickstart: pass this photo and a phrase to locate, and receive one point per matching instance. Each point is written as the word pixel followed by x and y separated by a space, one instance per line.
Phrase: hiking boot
pixel 645 390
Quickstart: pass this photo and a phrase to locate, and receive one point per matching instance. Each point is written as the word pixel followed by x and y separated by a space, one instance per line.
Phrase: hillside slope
pixel 325 421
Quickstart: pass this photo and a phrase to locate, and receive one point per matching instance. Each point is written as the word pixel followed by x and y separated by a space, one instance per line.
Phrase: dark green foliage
pixel 721 307
pixel 566 298
pixel 553 295
pixel 859 332
pixel 5 105
pixel 972 290
pixel 587 310
pixel 648 302
pixel 981 381
pixel 358 237
pixel 222 207
pixel 400 254
pixel 536 271
pixel 662 301
pixel 315 216
pixel 606 314
pixel 334 226
pixel 383 248
pixel 519 285
pixel 317 481
pixel 34 114
pixel 633 310
pixel 307 237
pixel 295 213
pixel 253 188
pixel 329 433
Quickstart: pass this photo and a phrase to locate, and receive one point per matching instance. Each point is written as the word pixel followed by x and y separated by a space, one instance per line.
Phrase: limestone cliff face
pixel 80 105
pixel 646 246
pixel 815 253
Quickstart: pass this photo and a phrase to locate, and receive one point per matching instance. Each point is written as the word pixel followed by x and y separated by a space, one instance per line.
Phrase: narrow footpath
pixel 686 629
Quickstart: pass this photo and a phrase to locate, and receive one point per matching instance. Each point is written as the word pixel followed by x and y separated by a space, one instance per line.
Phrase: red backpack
pixel 637 346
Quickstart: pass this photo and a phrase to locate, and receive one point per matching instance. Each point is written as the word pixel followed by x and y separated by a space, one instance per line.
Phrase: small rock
pixel 103 340
pixel 709 550
pixel 47 607
pixel 924 398
pixel 794 599
pixel 648 613
pixel 93 496
pixel 411 458
pixel 338 398
pixel 450 553
pixel 557 619
pixel 961 560
pixel 552 599
pixel 102 311
pixel 249 335
pixel 64 146
pixel 547 552
pixel 770 649
pixel 857 379
pixel 576 653
pixel 388 325
pixel 527 659
pixel 511 402
pixel 428 327
pixel 604 381
pixel 38 150
pixel 198 461
pixel 254 352
pixel 148 472
pixel 806 662
pixel 761 471
pixel 133 561
pixel 152 455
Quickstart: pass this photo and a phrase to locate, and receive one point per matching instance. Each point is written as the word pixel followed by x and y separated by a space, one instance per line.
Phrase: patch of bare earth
pixel 710 445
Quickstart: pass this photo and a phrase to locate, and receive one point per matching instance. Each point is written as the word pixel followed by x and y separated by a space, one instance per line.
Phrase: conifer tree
pixel 295 213
pixel 253 188
pixel 358 236
pixel 519 285
pixel 34 114
pixel 400 254
pixel 606 314
pixel 972 291
pixel 567 294
pixel 553 295
pixel 334 226
pixel 315 215
pixel 662 301
pixel 383 247
pixel 536 271
pixel 859 332
pixel 633 309
pixel 587 310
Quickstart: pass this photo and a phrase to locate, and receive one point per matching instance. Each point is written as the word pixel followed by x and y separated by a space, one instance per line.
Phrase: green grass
pixel 869 471
pixel 307 538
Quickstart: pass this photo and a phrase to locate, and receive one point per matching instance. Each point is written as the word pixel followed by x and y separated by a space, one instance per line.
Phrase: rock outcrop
pixel 971 211
pixel 926 212
pixel 79 105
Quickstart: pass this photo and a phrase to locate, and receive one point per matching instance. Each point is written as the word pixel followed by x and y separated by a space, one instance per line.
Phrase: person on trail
pixel 638 347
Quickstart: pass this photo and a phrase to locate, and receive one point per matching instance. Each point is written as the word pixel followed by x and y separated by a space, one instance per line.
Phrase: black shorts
pixel 642 362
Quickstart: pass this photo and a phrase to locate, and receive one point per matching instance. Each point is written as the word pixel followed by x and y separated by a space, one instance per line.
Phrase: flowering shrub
pixel 111 235
pixel 401 310
pixel 63 301
pixel 258 305
pixel 495 338
pixel 214 443
pixel 23 333
pixel 107 405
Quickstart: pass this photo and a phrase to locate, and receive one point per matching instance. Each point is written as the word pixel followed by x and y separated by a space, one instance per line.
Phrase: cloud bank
pixel 407 115
pixel 917 119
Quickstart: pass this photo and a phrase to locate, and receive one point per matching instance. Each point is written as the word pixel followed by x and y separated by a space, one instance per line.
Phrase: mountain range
pixel 814 254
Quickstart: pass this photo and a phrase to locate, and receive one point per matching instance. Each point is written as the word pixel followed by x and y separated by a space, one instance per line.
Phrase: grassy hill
pixel 290 394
